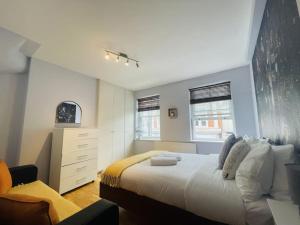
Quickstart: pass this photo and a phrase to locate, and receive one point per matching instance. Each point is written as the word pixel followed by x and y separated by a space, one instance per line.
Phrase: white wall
pixel 12 105
pixel 177 95
pixel 49 85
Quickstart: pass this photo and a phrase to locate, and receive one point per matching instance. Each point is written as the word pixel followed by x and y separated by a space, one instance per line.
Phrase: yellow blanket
pixel 112 175
pixel 38 189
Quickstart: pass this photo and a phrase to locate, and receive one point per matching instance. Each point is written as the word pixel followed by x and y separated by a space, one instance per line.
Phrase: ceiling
pixel 173 39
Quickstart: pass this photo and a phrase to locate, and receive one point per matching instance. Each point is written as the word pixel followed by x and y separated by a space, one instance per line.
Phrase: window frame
pixel 137 123
pixel 215 140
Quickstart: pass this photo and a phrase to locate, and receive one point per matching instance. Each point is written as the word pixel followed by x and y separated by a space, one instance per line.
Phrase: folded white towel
pixel 178 157
pixel 163 161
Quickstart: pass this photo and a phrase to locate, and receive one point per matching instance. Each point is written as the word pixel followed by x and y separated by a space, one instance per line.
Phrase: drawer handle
pixel 82 156
pixel 82 146
pixel 80 168
pixel 83 134
pixel 80 180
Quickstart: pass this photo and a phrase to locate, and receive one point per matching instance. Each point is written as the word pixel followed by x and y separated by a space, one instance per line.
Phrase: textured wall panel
pixel 276 68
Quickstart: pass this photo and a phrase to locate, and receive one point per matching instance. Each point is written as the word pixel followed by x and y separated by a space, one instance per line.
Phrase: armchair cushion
pixel 18 209
pixel 38 189
pixel 5 178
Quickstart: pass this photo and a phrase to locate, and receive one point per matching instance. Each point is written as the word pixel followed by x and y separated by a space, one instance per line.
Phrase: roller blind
pixel 211 93
pixel 148 103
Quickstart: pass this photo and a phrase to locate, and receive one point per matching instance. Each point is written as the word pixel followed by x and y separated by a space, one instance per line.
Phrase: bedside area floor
pixel 88 194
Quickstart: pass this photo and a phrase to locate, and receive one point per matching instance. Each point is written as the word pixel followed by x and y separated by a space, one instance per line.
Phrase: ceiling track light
pixel 119 55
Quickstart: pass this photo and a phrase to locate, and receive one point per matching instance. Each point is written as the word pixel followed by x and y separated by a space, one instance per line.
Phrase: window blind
pixel 148 103
pixel 211 93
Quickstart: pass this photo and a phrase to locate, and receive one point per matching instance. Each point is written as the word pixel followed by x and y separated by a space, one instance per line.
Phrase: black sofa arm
pixel 23 174
pixel 102 212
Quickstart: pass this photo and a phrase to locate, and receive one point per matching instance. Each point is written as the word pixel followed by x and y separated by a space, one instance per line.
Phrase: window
pixel 148 118
pixel 211 112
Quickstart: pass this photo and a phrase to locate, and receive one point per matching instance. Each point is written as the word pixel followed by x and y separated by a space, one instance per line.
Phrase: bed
pixel 192 192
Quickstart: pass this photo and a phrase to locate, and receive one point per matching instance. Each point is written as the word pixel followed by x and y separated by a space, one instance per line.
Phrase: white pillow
pixel 236 155
pixel 282 155
pixel 255 174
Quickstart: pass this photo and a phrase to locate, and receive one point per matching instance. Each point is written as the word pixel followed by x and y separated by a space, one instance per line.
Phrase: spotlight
pixel 107 56
pixel 119 56
pixel 127 62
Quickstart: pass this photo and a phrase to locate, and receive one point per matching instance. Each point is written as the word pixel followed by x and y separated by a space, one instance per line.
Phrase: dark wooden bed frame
pixel 149 211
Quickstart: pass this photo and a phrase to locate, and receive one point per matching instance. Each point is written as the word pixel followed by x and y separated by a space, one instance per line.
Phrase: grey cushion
pixel 229 142
pixel 236 155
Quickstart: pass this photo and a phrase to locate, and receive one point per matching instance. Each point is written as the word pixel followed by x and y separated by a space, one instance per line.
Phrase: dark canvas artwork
pixel 276 69
pixel 66 113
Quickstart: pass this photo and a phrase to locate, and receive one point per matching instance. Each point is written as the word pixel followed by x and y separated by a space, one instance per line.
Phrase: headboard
pixel 183 147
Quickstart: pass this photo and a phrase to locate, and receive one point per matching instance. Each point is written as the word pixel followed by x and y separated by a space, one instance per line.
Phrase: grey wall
pixel 48 85
pixel 177 95
pixel 12 101
pixel 276 69
pixel 257 14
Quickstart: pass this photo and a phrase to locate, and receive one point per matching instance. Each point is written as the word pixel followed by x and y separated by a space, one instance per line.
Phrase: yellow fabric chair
pixel 25 184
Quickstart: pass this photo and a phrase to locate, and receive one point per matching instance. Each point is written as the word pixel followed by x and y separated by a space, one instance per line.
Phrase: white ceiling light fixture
pixel 121 55
pixel 107 56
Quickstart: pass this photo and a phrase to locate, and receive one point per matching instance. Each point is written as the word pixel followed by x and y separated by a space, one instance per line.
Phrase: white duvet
pixel 216 199
pixel 194 184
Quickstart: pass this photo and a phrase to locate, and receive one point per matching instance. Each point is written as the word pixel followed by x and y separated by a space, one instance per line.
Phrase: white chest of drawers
pixel 73 158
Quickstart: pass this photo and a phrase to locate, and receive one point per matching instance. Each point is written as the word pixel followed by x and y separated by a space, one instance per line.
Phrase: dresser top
pixel 284 212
